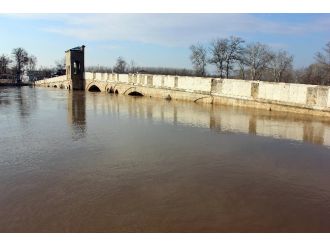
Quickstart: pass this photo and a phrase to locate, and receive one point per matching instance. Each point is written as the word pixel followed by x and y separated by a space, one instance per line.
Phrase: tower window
pixel 76 67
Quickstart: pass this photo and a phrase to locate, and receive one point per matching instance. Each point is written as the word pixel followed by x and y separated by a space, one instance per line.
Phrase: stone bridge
pixel 299 98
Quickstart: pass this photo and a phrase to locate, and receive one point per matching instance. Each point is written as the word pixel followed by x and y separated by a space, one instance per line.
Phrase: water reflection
pixel 77 114
pixel 4 100
pixel 27 101
pixel 219 118
pixel 23 99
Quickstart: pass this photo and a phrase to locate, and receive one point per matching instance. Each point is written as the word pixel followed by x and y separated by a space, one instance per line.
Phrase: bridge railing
pixel 51 80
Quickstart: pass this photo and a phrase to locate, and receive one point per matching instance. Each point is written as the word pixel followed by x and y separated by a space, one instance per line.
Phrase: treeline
pixel 230 57
pixel 233 58
pixel 122 66
pixel 318 72
pixel 14 67
pixel 20 66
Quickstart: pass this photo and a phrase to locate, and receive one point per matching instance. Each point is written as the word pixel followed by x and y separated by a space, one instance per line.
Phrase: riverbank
pixel 15 84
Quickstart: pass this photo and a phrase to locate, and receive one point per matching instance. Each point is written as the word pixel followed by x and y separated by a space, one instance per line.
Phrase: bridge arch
pixel 134 91
pixel 111 90
pixel 94 88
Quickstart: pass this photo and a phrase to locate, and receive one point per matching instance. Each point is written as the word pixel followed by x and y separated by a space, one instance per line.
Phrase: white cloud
pixel 169 29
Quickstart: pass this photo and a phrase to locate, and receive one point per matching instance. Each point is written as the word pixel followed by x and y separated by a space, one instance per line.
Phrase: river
pixel 96 162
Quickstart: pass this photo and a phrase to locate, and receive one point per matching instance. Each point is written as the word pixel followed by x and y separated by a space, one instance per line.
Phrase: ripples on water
pixel 88 162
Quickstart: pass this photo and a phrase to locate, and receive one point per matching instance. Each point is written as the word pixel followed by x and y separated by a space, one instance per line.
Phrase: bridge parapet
pixel 52 80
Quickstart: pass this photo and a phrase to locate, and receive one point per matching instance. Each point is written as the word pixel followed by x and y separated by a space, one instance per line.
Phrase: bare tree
pixel 241 68
pixel 233 53
pixel 313 74
pixel 323 60
pixel 44 72
pixel 257 58
pixel 100 69
pixel 165 71
pixel 120 66
pixel 31 68
pixel 60 64
pixel 32 63
pixel 21 59
pixel 198 58
pixel 218 51
pixel 4 63
pixel 281 64
pixel 133 67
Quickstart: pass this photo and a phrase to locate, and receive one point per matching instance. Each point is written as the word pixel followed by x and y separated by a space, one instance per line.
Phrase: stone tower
pixel 75 67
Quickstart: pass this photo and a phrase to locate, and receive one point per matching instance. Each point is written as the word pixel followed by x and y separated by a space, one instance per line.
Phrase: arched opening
pixel 116 92
pixel 111 90
pixel 94 88
pixel 55 86
pixel 76 67
pixel 61 86
pixel 135 93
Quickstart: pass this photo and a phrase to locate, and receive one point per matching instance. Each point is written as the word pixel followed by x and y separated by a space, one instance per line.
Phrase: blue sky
pixel 158 39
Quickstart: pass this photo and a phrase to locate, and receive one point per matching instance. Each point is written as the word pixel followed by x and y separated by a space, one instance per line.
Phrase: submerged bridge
pixel 298 98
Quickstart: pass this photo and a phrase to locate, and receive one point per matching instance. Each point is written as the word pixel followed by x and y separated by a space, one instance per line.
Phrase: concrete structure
pixel 75 68
pixel 298 98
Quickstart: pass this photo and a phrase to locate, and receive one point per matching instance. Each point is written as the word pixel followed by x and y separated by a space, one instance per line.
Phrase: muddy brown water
pixel 95 162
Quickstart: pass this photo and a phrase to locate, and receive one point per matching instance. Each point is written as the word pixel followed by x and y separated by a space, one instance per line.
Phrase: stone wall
pixel 51 82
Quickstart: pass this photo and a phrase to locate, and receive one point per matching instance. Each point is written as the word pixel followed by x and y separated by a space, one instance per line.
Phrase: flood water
pixel 95 162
